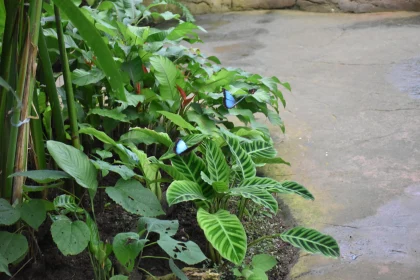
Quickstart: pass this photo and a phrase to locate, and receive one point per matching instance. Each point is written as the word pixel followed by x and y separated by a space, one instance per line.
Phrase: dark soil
pixel 51 264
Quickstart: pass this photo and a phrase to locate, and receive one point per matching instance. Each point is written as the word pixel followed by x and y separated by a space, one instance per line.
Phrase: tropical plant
pixel 257 269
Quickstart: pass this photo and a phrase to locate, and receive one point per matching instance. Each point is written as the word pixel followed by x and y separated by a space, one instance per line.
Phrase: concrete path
pixel 352 128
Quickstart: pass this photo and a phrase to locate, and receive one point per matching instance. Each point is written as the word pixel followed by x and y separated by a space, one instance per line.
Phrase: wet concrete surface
pixel 352 128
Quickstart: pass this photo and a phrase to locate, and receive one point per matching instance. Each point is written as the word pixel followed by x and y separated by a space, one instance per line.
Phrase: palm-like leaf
pixel 243 160
pixel 297 189
pixel 260 149
pixel 259 196
pixel 312 241
pixel 216 163
pixel 225 232
pixel 180 191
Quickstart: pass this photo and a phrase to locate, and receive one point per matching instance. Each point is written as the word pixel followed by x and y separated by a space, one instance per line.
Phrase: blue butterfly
pixel 182 148
pixel 229 101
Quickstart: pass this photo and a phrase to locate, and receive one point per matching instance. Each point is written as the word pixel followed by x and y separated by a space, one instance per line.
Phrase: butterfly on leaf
pixel 181 148
pixel 229 101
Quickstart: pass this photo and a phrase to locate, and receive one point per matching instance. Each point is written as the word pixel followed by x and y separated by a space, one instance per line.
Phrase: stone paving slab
pixel 352 128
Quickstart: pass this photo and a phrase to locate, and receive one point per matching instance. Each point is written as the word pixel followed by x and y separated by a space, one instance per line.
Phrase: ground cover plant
pixel 95 88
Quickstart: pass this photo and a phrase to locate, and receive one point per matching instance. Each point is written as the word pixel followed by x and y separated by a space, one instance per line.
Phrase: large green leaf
pixel 125 172
pixel 243 160
pixel 166 73
pixel 127 246
pixel 13 246
pixel 259 196
pixel 114 114
pixel 135 198
pixel 178 272
pixel 225 232
pixel 4 266
pixel 312 241
pixel 178 120
pixel 264 262
pixel 8 214
pixel 71 237
pixel 82 77
pixel 100 135
pixel 33 212
pixel 181 191
pixel 277 160
pixel 94 40
pixel 163 227
pixel 171 171
pixel 219 79
pixel 187 252
pixel 43 176
pixel 260 149
pixel 181 31
pixel 216 163
pixel 75 163
pixel 298 189
pixel 139 135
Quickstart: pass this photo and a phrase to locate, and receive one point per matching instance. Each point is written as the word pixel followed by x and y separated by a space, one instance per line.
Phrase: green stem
pixel 155 257
pixel 242 206
pixel 71 104
pixel 212 252
pixel 147 272
pixel 47 78
pixel 256 241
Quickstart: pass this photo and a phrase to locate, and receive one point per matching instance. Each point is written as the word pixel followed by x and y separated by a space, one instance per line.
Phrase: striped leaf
pixel 139 135
pixel 191 166
pixel 225 233
pixel 258 196
pixel 243 160
pixel 67 202
pixel 181 191
pixel 273 186
pixel 277 160
pixel 171 171
pixel 261 149
pixel 216 163
pixel 312 241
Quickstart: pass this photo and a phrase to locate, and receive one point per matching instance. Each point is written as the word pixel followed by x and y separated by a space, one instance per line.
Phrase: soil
pixel 50 264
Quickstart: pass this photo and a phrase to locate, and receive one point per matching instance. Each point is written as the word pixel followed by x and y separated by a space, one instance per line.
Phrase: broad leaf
pixel 187 252
pixel 94 40
pixel 112 114
pixel 264 262
pixel 298 189
pixel 82 77
pixel 100 135
pixel 181 191
pixel 125 172
pixel 166 73
pixel 171 171
pixel 8 214
pixel 277 160
pixel 43 176
pixel 75 163
pixel 127 246
pixel 139 135
pixel 163 227
pixel 4 266
pixel 243 160
pixel 178 272
pixel 178 120
pixel 216 163
pixel 219 79
pixel 71 237
pixel 312 241
pixel 13 246
pixel 260 149
pixel 33 212
pixel 225 232
pixel 135 198
pixel 258 196
pixel 181 31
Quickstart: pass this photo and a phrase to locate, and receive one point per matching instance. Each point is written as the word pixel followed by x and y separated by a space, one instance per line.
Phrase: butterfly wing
pixel 228 99
pixel 180 147
pixel 252 90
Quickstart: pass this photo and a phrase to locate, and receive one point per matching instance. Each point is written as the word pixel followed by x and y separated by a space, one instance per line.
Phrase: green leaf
pixel 260 149
pixel 258 196
pixel 4 266
pixel 4 84
pixel 298 189
pixel 275 119
pixel 171 171
pixel 71 237
pixel 166 74
pixel 216 163
pixel 139 135
pixel 127 246
pixel 125 172
pixel 219 79
pixel 134 69
pixel 75 163
pixel 82 77
pixel 243 160
pixel 264 262
pixel 27 188
pixel 8 214
pixel 13 246
pixel 33 212
pixel 163 227
pixel 277 160
pixel 135 198
pixel 100 135
pixel 178 272
pixel 181 191
pixel 43 176
pixel 94 40
pixel 181 31
pixel 178 120
pixel 257 274
pixel 187 252
pixel 67 202
pixel 112 114
pixel 225 232
pixel 118 277
pixel 190 140
pixel 312 241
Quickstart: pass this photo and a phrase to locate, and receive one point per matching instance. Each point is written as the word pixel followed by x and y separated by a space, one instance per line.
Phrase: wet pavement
pixel 352 128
